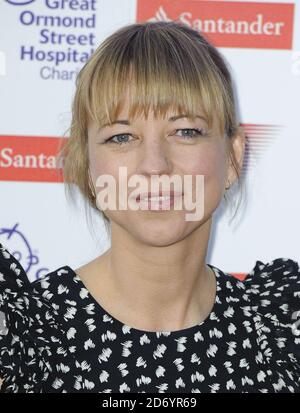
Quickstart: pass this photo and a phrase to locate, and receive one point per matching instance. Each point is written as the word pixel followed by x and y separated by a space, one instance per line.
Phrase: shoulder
pixel 30 325
pixel 273 290
pixel 24 299
pixel 268 304
pixel 272 300
pixel 12 274
pixel 15 282
pixel 275 285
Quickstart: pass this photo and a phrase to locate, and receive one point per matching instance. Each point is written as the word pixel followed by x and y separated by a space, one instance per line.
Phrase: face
pixel 161 146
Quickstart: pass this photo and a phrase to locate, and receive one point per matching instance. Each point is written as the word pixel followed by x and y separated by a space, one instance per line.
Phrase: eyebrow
pixel 171 119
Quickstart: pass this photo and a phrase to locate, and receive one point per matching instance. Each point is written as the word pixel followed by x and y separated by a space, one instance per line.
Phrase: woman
pixel 150 315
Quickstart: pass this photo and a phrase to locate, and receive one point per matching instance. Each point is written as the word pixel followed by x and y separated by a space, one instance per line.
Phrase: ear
pixel 238 144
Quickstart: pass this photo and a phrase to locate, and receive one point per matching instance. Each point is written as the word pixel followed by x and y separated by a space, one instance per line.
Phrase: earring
pixel 227 187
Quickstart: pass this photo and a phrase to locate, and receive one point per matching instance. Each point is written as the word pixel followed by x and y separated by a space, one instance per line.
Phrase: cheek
pixel 210 162
pixel 100 164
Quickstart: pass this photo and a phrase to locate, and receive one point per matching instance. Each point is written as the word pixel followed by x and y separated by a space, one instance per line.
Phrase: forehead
pixel 132 102
pixel 128 110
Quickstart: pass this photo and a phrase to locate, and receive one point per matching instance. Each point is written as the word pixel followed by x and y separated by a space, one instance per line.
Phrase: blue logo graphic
pixel 19 2
pixel 17 245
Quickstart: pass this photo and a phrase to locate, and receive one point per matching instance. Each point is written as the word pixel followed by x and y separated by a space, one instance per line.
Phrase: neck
pixel 160 288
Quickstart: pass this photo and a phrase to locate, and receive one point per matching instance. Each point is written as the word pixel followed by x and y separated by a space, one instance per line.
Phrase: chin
pixel 157 240
pixel 157 232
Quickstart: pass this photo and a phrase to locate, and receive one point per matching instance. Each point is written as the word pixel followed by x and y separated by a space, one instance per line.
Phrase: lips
pixel 158 195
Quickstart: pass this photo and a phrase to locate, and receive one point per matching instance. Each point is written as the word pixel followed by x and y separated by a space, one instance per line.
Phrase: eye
pixel 192 132
pixel 120 139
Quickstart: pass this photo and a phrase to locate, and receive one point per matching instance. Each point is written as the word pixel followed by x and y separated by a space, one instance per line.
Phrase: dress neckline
pixel 213 316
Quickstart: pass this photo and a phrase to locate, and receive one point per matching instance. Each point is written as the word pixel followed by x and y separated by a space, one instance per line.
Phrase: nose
pixel 154 158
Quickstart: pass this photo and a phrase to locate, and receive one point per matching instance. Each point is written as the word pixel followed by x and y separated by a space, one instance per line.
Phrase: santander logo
pixel 160 15
pixel 30 158
pixel 228 24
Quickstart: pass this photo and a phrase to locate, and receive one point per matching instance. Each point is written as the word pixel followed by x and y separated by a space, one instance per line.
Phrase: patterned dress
pixel 56 338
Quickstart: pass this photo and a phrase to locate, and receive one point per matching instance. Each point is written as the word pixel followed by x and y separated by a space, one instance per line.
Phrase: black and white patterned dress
pixel 57 338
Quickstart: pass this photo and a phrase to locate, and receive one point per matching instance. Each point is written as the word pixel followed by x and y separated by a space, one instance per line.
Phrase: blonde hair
pixel 168 65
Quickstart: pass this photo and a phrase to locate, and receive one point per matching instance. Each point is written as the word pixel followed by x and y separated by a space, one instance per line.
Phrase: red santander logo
pixel 226 23
pixel 30 158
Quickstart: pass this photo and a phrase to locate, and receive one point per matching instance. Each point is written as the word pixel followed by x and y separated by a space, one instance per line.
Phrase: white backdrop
pixel 40 226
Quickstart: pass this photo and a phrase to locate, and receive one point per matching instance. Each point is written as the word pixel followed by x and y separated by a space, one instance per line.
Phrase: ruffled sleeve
pixel 23 365
pixel 273 293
